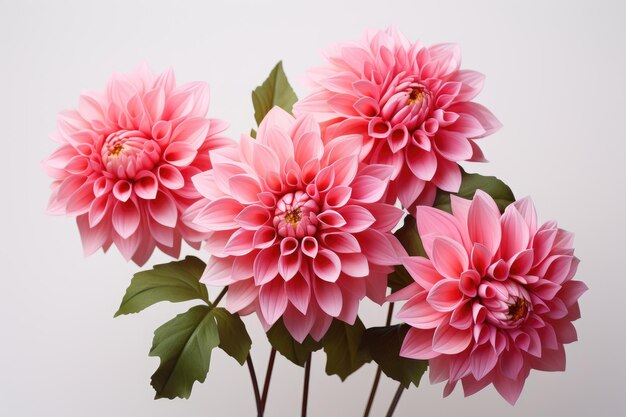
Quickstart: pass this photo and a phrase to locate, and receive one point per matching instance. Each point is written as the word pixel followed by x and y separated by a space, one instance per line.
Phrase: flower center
pixel 295 215
pixel 416 95
pixel 519 310
pixel 127 152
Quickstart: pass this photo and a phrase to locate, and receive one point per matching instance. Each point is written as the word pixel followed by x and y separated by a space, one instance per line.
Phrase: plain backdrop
pixel 555 78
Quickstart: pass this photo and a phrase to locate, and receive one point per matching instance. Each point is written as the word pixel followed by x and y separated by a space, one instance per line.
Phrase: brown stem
pixel 255 386
pixel 268 377
pixel 370 400
pixel 395 401
pixel 305 391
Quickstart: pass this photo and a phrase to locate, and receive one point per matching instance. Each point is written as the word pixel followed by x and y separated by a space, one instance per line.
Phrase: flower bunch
pixel 358 194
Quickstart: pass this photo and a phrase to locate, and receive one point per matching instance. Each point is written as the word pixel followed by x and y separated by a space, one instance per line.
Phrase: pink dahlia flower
pixel 494 300
pixel 126 159
pixel 411 103
pixel 296 229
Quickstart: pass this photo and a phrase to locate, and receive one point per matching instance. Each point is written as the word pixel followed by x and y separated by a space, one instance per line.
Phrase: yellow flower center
pixel 519 310
pixel 293 217
pixel 415 96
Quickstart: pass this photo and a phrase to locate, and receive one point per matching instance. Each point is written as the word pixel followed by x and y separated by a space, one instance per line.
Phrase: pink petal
pixel 309 246
pixel 432 221
pixel 180 154
pixel 341 242
pixel 422 163
pixel 170 177
pixel 146 185
pixel 357 218
pixel 219 214
pixel 218 271
pixel 192 130
pixel 328 296
pixel 417 312
pixel 266 265
pixel 418 344
pixel 240 295
pixel 240 243
pixel 387 216
pixel 163 209
pixel 355 265
pixel 453 146
pixel 449 257
pixel 445 295
pixel 125 218
pixel 273 300
pixel 483 222
pixel 449 340
pixel 327 265
pixel 253 217
pixel 515 233
pixel 367 189
pixel 299 293
pixel 422 271
pixel 482 360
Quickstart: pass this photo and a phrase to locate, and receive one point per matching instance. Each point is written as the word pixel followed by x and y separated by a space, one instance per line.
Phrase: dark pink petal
pixel 571 292
pixel 423 163
pixel 511 362
pixel 264 237
pixel 331 219
pixel 422 271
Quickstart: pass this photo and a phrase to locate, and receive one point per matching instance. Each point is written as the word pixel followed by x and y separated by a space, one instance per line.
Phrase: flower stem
pixel 219 297
pixel 255 385
pixel 395 401
pixel 268 377
pixel 305 392
pixel 370 400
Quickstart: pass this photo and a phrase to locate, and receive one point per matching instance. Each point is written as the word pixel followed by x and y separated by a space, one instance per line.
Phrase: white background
pixel 555 78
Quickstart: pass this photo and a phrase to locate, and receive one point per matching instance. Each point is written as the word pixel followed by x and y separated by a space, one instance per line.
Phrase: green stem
pixel 305 391
pixel 268 377
pixel 370 400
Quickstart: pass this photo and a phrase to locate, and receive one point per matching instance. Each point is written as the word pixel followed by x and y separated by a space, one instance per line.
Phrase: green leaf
pixel 409 238
pixel 184 345
pixel 175 282
pixel 383 344
pixel 234 339
pixel 341 344
pixel 497 189
pixel 275 91
pixel 407 235
pixel 253 133
pixel 284 343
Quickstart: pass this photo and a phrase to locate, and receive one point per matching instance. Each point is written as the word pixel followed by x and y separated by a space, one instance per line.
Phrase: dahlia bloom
pixel 411 103
pixel 296 229
pixel 494 300
pixel 126 159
